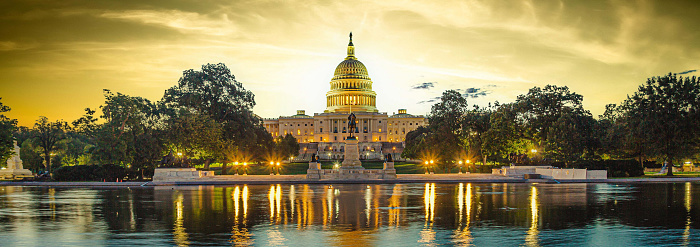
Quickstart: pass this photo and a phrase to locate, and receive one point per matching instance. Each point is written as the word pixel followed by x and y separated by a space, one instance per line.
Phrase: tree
pixel 7 127
pixel 214 91
pixel 415 143
pixel 131 135
pixel 194 134
pixel 478 123
pixel 505 134
pixel 287 146
pixel 547 114
pixel 667 111
pixel 47 135
pixel 447 137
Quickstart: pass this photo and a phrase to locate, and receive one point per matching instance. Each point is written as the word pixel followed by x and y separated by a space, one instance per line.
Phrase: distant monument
pixel 14 168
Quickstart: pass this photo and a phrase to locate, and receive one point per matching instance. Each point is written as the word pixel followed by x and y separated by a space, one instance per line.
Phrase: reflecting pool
pixel 428 214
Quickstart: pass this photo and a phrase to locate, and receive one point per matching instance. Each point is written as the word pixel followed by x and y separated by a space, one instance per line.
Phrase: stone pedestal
pixel 352 155
pixel 15 173
pixel 314 171
pixel 389 171
pixel 179 174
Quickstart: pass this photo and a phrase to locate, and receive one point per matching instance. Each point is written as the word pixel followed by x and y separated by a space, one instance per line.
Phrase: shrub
pixel 89 173
pixel 615 168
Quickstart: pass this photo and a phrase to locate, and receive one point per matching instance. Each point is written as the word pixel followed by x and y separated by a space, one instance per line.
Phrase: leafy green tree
pixel 194 134
pixel 415 145
pixel 667 111
pixel 214 91
pixel 47 135
pixel 447 138
pixel 571 135
pixel 287 146
pixel 7 127
pixel 505 134
pixel 547 114
pixel 131 135
pixel 478 123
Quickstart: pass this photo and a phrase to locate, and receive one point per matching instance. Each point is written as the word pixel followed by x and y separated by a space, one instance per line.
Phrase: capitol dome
pixel 351 87
pixel 351 68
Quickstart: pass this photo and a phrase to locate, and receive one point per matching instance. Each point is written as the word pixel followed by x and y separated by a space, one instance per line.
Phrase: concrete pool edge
pixel 298 179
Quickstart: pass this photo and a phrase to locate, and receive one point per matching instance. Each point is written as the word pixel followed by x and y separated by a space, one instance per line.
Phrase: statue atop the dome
pixel 351 124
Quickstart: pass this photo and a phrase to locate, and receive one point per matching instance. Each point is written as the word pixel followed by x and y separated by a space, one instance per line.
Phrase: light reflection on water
pixel 430 214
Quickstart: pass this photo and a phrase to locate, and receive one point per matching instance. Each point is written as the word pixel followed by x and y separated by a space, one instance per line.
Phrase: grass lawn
pixel 656 175
pixel 675 174
pixel 300 168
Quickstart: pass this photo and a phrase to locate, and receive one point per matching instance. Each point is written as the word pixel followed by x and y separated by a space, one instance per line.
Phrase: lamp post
pixel 468 166
pixel 235 167
pixel 245 168
pixel 426 167
pixel 278 168
pixel 272 168
pixel 432 171
pixel 460 167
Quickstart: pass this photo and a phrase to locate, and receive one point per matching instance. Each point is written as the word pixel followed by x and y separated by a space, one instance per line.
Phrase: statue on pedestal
pixel 351 124
pixel 14 162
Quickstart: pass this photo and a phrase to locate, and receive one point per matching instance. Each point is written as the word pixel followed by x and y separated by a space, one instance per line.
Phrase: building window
pixel 298 132
pixel 344 131
pixel 312 124
pixel 306 124
pixel 380 130
pixel 365 130
pixel 336 121
pixel 365 138
pixel 335 129
pixel 321 130
pixel 380 138
pixel 285 132
pixel 320 139
pixel 380 121
pixel 410 124
pixel 336 138
pixel 321 121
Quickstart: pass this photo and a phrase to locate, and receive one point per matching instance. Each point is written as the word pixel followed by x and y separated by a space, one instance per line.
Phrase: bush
pixel 108 173
pixel 615 168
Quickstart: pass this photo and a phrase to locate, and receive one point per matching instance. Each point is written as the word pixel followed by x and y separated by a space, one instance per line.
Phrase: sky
pixel 56 57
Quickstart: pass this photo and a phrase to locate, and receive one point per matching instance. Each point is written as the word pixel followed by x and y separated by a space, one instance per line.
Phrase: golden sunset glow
pixel 56 56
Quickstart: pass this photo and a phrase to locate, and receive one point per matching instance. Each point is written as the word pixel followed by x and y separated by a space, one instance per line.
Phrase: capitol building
pixel 324 133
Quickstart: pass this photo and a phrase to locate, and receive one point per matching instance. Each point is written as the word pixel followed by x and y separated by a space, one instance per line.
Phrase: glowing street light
pixel 533 151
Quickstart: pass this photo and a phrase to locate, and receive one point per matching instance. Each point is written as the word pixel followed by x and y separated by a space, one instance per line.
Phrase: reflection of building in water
pixel 532 238
pixel 688 199
pixel 395 203
pixel 240 235
pixel 427 235
pixel 179 232
pixel 464 207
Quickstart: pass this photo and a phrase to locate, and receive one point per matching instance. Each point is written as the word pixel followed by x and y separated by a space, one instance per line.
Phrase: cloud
pixel 424 85
pixel 473 92
pixel 14 46
pixel 178 20
pixel 687 72
pixel 429 101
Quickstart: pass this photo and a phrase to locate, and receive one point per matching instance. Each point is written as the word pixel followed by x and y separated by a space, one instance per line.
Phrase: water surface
pixel 354 215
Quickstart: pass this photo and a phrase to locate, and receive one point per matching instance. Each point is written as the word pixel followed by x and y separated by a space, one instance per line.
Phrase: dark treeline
pixel 206 118
pixel 660 123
